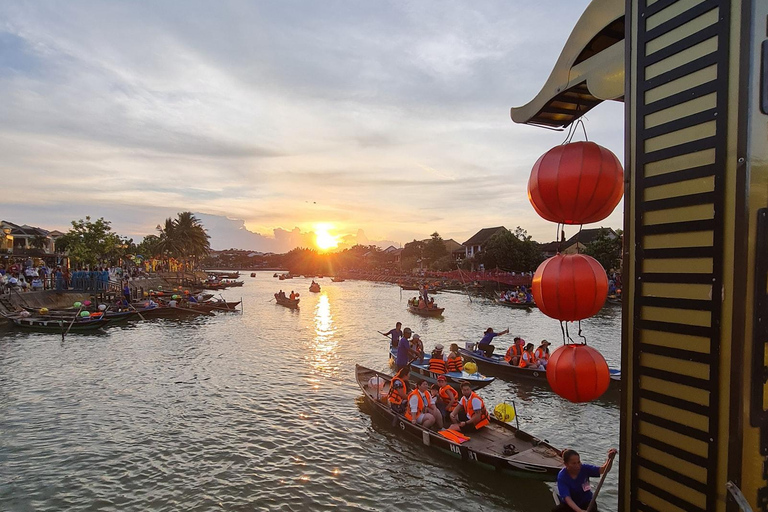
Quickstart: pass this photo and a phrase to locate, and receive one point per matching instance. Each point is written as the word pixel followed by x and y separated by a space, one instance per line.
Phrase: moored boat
pixel 498 445
pixel 42 323
pixel 287 302
pixel 498 366
pixel 421 370
pixel 516 305
pixel 337 279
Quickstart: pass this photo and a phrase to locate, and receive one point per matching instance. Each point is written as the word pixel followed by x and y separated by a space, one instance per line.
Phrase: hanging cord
pixel 573 128
pixel 581 335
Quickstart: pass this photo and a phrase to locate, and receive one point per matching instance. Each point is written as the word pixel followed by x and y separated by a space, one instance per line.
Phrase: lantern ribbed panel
pixel 570 287
pixel 577 183
pixel 578 373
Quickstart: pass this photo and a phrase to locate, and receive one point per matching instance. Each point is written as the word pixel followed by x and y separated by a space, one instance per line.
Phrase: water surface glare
pixel 261 411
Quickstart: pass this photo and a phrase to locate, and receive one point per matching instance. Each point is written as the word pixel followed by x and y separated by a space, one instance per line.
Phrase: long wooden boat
pixel 516 305
pixel 498 366
pixel 315 288
pixel 43 323
pixel 421 371
pixel 498 446
pixel 434 312
pixel 161 311
pixel 337 279
pixel 287 302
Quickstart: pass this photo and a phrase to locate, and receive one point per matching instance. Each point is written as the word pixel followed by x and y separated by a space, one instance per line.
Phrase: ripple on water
pixel 261 411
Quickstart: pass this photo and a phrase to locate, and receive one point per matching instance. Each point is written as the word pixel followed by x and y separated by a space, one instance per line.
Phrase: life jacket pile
pixel 467 404
pixel 420 406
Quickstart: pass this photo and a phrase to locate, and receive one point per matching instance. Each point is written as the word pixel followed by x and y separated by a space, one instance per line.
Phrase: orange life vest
pixel 447 393
pixel 541 354
pixel 394 395
pixel 420 405
pixel 437 365
pixel 455 364
pixel 512 351
pixel 467 404
pixel 527 359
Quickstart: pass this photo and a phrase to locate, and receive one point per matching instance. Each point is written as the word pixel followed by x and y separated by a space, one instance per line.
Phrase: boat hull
pixel 421 371
pixel 426 312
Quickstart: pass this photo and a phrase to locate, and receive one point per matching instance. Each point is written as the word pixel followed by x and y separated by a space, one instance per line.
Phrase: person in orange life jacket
pixel 454 363
pixel 436 362
pixel 398 390
pixel 528 359
pixel 514 352
pixel 485 343
pixel 416 350
pixel 449 397
pixel 573 485
pixel 542 353
pixel 293 295
pixel 470 414
pixel 420 407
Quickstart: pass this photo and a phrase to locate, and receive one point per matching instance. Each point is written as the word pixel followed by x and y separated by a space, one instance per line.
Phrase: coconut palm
pixel 192 236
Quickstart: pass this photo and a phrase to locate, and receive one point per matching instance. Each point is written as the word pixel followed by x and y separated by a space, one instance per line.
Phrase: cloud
pixel 389 117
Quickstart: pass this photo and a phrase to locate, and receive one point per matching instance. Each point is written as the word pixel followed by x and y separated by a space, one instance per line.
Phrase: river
pixel 261 411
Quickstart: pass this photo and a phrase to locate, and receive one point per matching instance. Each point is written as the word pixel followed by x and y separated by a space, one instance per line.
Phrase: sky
pixel 382 121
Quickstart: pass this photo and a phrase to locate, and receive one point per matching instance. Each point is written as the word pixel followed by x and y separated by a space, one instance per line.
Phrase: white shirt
pixel 414 402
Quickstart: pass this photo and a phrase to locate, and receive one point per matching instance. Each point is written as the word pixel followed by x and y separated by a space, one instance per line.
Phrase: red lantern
pixel 570 287
pixel 576 183
pixel 578 373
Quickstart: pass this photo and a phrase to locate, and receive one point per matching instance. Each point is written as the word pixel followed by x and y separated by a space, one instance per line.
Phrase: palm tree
pixel 192 237
pixel 168 244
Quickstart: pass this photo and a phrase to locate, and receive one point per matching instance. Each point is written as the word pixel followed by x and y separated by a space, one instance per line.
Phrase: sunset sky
pixel 380 121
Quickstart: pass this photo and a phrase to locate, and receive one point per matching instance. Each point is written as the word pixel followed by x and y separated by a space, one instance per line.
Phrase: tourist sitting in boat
pixel 293 295
pixel 573 486
pixel 421 409
pixel 448 397
pixel 437 361
pixel 395 333
pixel 485 343
pixel 470 414
pixel 514 352
pixel 403 349
pixel 542 353
pixel 528 359
pixel 416 350
pixel 454 363
pixel 422 304
pixel 431 303
pixel 398 390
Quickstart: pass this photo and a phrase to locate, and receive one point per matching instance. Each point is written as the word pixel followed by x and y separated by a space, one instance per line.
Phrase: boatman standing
pixel 485 343
pixel 396 334
pixel 403 346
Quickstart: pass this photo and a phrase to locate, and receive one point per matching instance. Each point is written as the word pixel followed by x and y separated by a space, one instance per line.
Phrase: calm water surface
pixel 261 411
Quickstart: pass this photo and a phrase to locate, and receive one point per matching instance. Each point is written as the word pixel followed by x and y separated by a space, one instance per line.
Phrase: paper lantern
pixel 570 287
pixel 77 304
pixel 87 303
pixel 84 314
pixel 576 183
pixel 578 373
pixel 43 311
pixel 102 307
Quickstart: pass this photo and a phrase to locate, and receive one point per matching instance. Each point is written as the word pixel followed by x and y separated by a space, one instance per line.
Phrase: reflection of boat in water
pixel 498 366
pixel 421 370
pixel 498 445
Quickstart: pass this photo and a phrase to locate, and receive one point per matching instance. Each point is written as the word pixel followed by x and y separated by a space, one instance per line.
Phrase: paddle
pixel 63 334
pixel 602 479
pixel 136 310
pixel 225 302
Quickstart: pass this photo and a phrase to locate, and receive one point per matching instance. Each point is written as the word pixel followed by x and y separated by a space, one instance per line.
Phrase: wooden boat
pixel 42 323
pixel 498 366
pixel 287 302
pixel 161 311
pixel 314 288
pixel 516 305
pixel 421 371
pixel 253 274
pixel 426 312
pixel 337 279
pixel 498 445
pixel 409 287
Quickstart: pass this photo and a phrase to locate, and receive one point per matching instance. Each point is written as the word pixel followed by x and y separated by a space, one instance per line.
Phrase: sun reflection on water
pixel 325 357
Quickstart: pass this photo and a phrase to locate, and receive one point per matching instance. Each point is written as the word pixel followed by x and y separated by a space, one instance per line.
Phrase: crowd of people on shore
pixel 28 276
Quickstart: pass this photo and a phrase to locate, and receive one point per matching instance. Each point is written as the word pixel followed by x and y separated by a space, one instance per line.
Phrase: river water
pixel 261 411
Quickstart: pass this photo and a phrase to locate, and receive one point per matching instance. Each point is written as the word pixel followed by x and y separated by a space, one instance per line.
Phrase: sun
pixel 323 239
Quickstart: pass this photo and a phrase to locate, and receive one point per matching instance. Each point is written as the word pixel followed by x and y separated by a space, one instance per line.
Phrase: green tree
pixel 89 243
pixel 193 241
pixel 434 249
pixel 511 251
pixel 606 249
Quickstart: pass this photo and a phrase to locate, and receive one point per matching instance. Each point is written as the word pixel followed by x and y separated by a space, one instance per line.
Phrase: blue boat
pixel 420 369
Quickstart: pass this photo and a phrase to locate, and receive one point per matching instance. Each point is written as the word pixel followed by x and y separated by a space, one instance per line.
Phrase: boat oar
pixel 139 312
pixel 225 301
pixel 602 479
pixel 63 334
